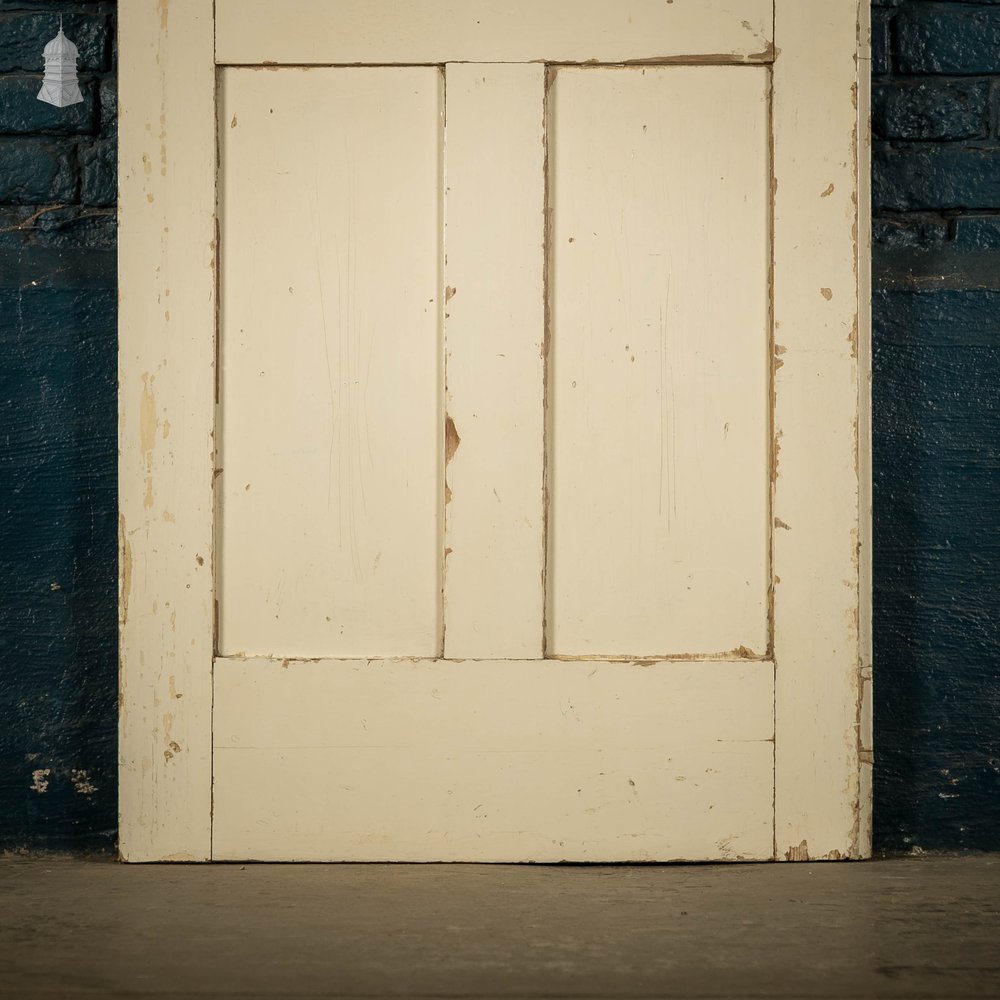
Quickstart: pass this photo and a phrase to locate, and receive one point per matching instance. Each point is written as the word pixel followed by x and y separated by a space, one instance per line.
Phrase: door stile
pixel 167 265
pixel 821 474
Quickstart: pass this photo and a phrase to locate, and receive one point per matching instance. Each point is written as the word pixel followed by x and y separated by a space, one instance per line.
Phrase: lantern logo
pixel 60 86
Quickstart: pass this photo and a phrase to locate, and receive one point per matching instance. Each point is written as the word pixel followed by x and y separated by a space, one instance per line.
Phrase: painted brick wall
pixel 58 521
pixel 936 126
pixel 936 312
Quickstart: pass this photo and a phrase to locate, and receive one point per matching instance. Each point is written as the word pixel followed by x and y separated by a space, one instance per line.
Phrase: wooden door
pixel 494 442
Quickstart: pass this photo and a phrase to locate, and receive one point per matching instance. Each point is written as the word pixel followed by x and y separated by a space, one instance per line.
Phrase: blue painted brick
pixel 22 113
pixel 881 50
pixel 62 227
pixel 978 232
pixel 100 173
pixel 925 109
pixel 949 38
pixel 57 491
pixel 929 177
pixel 37 172
pixel 109 108
pixel 23 37
pixel 908 232
pixel 938 318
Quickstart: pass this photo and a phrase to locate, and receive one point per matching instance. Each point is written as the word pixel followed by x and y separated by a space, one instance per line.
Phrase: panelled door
pixel 494 442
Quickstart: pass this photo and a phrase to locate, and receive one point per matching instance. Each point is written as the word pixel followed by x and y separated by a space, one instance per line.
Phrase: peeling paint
pixel 799 853
pixel 125 570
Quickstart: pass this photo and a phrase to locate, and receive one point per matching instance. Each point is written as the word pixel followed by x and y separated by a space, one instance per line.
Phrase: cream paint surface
pixel 166 358
pixel 418 31
pixel 822 784
pixel 328 526
pixel 579 760
pixel 659 330
pixel 494 332
pixel 492 760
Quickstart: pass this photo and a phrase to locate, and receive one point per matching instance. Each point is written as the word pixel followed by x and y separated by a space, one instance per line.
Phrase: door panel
pixel 494 333
pixel 658 370
pixel 493 761
pixel 330 483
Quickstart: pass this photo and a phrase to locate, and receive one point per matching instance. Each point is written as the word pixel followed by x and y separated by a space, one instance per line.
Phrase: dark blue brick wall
pixel 936 200
pixel 936 313
pixel 58 521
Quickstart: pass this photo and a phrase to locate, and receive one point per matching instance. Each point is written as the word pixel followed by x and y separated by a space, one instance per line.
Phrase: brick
pixel 61 228
pixel 954 38
pixel 947 319
pixel 881 51
pixel 37 172
pixel 109 108
pixel 978 232
pixel 23 37
pixel 935 177
pixel 22 113
pixel 908 233
pixel 926 109
pixel 100 173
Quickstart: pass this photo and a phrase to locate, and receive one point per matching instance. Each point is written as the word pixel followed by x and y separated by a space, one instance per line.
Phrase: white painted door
pixel 525 374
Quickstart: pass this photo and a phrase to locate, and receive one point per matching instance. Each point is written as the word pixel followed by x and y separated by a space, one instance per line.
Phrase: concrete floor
pixel 921 927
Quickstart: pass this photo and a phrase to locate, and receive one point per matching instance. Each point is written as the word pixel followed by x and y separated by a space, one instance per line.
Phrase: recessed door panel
pixel 330 406
pixel 658 361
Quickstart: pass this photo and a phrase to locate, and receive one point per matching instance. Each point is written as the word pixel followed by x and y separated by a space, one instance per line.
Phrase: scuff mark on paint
pixel 125 581
pixel 147 433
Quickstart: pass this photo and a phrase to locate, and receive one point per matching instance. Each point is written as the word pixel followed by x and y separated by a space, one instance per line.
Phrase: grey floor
pixel 921 927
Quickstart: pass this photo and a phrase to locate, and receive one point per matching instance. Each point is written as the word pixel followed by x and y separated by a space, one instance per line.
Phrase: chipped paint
pixel 798 853
pixel 451 439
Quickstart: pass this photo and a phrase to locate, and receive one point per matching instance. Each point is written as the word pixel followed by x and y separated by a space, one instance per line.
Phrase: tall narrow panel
pixel 658 382
pixel 329 531
pixel 493 761
pixel 494 331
